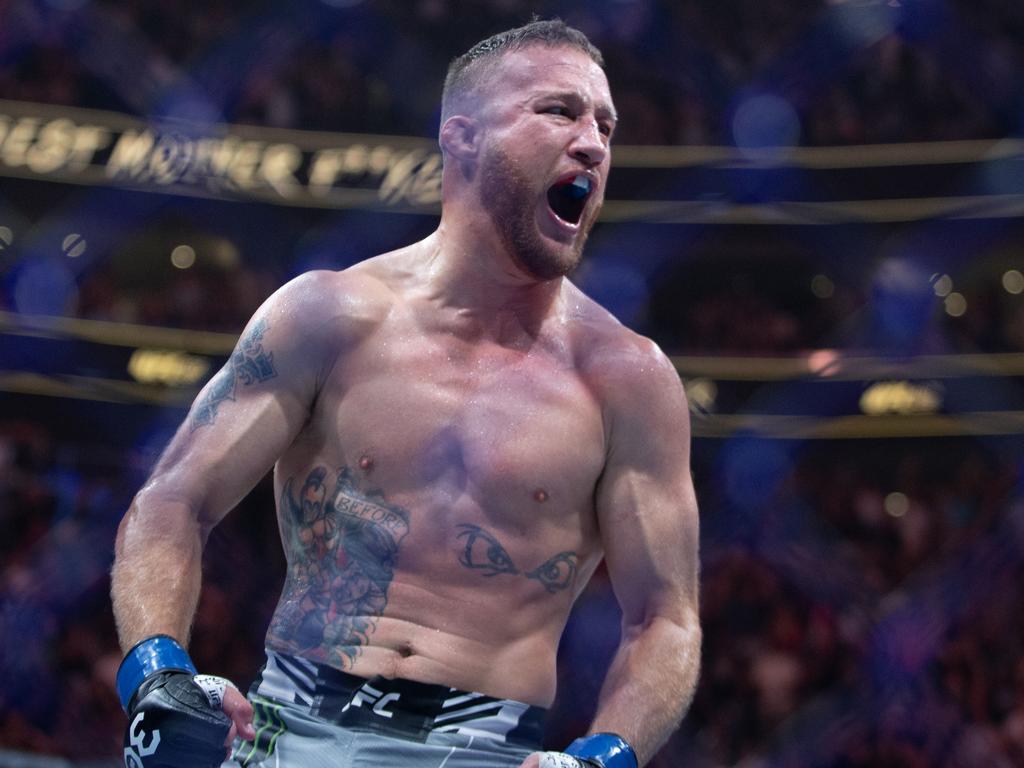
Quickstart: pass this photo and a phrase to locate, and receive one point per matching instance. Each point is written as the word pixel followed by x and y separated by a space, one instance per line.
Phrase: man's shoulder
pixel 629 374
pixel 606 346
pixel 639 390
pixel 334 301
pixel 317 317
pixel 352 289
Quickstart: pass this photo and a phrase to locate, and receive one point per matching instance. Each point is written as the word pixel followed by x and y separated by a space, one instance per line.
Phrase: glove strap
pixel 607 750
pixel 158 653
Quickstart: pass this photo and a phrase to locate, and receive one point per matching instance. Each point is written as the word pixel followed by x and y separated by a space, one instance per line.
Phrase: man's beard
pixel 511 202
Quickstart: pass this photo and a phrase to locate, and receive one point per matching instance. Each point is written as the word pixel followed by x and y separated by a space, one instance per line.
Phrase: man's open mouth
pixel 568 197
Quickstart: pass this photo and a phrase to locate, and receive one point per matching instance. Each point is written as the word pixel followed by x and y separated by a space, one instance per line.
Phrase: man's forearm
pixel 157 571
pixel 650 684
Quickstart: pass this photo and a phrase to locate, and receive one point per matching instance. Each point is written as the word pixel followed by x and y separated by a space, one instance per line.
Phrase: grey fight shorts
pixel 309 715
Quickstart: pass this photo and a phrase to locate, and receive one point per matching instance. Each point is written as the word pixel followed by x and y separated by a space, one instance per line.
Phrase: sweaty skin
pixel 458 437
pixel 430 563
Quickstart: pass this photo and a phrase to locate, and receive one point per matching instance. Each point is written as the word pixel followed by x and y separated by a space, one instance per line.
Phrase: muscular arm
pixel 647 513
pixel 242 420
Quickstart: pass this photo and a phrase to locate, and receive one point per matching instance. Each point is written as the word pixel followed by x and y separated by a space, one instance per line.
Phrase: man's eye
pixel 563 111
pixel 556 574
pixel 483 552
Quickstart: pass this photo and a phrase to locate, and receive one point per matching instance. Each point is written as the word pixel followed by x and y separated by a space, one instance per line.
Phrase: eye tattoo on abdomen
pixel 342 549
pixel 249 363
pixel 481 551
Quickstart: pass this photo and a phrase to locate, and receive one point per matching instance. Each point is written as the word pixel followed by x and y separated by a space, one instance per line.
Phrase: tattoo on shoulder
pixel 342 545
pixel 481 551
pixel 249 364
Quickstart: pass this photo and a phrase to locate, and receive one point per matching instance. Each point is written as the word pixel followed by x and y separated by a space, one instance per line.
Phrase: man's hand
pixel 176 718
pixel 551 760
pixel 184 721
pixel 238 708
pixel 556 760
pixel 599 750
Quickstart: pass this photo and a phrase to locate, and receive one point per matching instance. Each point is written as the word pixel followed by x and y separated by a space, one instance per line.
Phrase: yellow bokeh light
pixel 183 256
pixel 897 504
pixel 74 245
pixel 1013 281
pixel 822 286
pixel 943 285
pixel 956 304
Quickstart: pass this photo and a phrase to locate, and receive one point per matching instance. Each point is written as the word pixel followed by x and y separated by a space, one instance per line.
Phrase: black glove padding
pixel 171 724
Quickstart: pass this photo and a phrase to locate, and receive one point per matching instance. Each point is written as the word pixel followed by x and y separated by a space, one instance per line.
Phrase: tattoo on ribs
pixel 249 363
pixel 481 551
pixel 343 546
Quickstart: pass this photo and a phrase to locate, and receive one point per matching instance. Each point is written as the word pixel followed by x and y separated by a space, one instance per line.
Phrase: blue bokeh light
pixel 765 121
pixel 44 286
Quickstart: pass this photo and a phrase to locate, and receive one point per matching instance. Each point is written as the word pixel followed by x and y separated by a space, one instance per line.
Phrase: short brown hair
pixel 465 72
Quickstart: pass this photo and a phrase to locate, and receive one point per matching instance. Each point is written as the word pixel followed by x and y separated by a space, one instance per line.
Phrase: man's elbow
pixel 153 517
pixel 686 651
pixel 685 633
pixel 677 634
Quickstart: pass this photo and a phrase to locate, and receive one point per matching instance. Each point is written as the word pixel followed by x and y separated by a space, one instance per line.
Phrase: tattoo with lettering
pixel 481 551
pixel 249 364
pixel 342 550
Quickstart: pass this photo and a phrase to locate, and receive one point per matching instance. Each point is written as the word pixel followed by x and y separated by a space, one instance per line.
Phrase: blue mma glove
pixel 175 718
pixel 598 750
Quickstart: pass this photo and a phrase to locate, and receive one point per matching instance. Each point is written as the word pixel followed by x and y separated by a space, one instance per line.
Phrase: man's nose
pixel 589 146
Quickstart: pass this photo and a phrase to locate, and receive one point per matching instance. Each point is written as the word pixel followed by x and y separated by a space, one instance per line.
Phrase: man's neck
pixel 470 276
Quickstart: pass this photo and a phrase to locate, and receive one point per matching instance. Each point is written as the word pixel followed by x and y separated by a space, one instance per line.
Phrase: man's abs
pixel 400 649
pixel 488 637
pixel 428 585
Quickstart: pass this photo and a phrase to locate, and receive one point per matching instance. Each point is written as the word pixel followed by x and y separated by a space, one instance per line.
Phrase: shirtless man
pixel 458 436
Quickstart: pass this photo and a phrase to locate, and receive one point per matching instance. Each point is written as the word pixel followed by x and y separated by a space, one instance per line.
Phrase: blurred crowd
pixel 60 502
pixel 851 71
pixel 724 298
pixel 205 299
pixel 858 616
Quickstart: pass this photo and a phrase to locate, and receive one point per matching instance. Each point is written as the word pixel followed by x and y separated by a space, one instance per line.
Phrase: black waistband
pixel 405 708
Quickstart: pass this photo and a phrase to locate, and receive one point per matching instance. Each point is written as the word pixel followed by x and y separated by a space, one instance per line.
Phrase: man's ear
pixel 460 138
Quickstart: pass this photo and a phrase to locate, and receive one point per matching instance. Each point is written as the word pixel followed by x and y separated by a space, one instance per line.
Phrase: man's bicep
pixel 647 507
pixel 649 531
pixel 251 364
pixel 242 419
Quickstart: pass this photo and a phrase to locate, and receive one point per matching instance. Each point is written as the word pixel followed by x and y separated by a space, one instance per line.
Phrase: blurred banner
pixel 711 185
pixel 288 167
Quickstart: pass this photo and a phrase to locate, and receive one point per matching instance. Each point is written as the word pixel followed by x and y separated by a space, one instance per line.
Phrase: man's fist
pixel 174 725
pixel 598 750
pixel 555 760
pixel 176 718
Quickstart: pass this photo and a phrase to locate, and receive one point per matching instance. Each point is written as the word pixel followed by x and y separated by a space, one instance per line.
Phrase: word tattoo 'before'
pixel 342 549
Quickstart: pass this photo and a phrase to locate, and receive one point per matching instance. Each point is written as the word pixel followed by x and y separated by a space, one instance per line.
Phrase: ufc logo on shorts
pixel 137 739
pixel 378 699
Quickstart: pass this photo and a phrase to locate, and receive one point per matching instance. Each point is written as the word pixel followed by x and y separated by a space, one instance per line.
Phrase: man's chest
pixel 469 419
